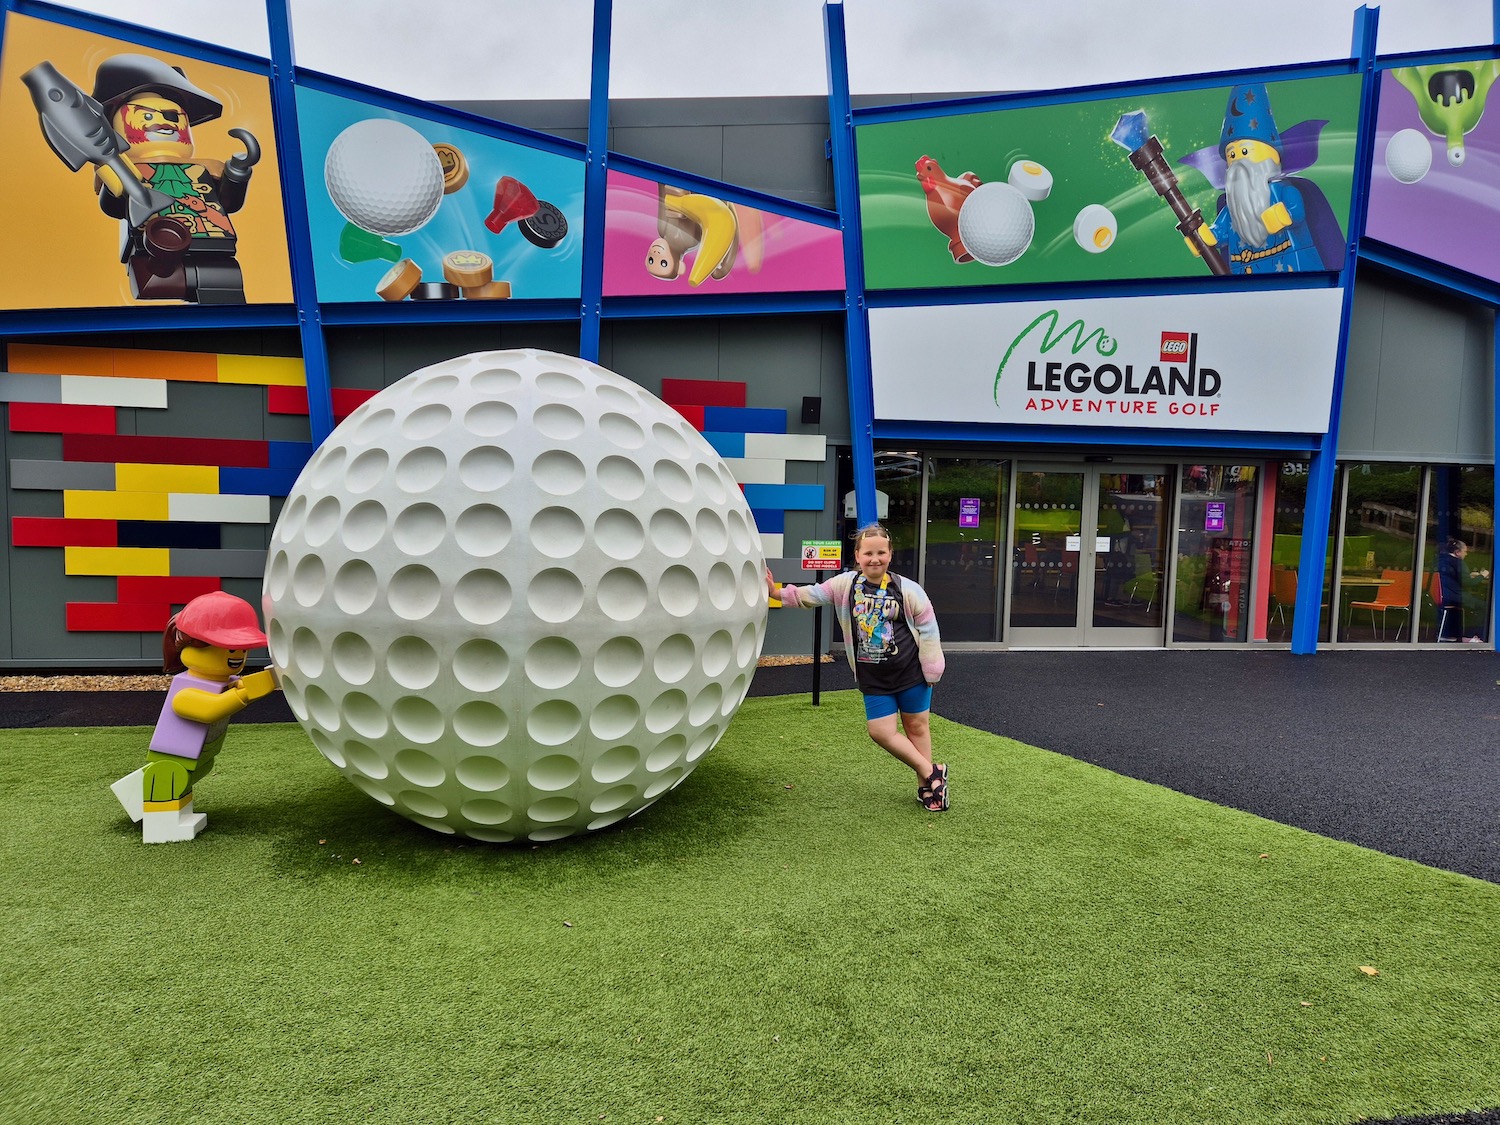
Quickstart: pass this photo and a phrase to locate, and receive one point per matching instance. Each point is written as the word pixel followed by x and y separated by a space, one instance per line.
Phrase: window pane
pixel 1286 548
pixel 1459 553
pixel 1379 549
pixel 1215 541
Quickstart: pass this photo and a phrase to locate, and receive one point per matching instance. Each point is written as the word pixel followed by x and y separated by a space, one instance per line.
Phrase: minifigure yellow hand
pixel 1276 218
pixel 257 685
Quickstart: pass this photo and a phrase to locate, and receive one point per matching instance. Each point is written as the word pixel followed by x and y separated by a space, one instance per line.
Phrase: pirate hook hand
pixel 239 165
pixel 1276 218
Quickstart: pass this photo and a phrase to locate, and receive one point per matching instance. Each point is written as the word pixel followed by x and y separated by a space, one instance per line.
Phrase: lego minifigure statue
pixel 206 646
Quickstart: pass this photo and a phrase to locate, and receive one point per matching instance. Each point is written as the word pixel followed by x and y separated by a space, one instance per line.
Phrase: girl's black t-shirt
pixel 885 648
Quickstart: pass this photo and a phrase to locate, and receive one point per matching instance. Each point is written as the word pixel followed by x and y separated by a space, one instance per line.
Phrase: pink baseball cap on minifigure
pixel 222 620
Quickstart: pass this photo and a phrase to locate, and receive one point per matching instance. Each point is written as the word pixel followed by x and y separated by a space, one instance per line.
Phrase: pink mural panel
pixel 663 241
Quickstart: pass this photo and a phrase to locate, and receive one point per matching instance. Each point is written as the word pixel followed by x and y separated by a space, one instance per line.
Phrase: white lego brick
pixel 101 390
pixel 772 545
pixel 756 470
pixel 197 507
pixel 786 447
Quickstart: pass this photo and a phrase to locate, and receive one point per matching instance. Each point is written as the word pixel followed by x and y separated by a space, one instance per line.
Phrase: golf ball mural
pixel 384 177
pixel 1408 156
pixel 995 223
pixel 514 596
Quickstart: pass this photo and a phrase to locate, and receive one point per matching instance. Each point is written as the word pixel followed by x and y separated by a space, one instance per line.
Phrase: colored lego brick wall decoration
pixel 756 447
pixel 150 511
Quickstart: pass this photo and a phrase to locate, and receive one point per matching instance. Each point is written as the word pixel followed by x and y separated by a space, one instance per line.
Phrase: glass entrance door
pixel 1090 550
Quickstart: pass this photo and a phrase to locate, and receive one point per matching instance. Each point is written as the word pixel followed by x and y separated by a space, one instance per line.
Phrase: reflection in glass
pixel 1378 550
pixel 1215 544
pixel 1131 550
pixel 1286 549
pixel 1044 579
pixel 1459 551
pixel 965 530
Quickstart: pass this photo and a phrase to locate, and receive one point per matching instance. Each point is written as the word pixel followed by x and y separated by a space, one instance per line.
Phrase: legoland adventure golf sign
pixel 1169 362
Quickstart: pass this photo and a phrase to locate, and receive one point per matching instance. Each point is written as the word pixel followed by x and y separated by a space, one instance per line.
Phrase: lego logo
pixel 1174 346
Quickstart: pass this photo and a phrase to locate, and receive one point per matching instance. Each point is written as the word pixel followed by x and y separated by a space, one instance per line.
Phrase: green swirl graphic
pixel 1103 344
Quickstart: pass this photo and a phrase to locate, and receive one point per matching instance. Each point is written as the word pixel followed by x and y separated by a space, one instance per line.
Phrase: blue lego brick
pixel 791 497
pixel 288 454
pixel 725 444
pixel 744 419
pixel 769 521
pixel 258 482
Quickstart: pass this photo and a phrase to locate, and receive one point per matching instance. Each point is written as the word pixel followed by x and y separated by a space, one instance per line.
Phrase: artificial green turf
pixel 786 937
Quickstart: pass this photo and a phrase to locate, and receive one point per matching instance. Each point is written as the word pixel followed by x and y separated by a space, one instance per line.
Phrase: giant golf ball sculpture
pixel 515 597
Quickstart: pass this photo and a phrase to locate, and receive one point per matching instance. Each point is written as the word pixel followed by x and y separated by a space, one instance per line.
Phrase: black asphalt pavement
pixel 1396 751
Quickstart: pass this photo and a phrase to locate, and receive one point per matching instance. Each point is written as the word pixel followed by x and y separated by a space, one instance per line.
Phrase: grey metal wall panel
pixel 55 476
pixel 1417 383
pixel 195 562
pixel 18 386
pixel 1476 412
pixel 693 148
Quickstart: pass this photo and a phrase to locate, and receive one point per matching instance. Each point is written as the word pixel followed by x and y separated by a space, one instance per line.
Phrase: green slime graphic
pixel 1450 98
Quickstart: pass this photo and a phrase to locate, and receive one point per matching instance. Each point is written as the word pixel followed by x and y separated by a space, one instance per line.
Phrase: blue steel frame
pixel 310 317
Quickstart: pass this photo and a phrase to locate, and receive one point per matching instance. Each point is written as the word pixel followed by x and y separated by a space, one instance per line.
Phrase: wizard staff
pixel 1131 134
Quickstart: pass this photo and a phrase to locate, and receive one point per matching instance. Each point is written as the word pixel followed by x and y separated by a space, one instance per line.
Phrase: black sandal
pixel 933 793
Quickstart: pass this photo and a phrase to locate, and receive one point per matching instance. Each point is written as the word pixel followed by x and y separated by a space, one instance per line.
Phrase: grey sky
pixel 443 50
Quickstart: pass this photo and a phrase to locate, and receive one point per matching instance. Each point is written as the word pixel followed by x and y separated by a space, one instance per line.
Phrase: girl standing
pixel 891 636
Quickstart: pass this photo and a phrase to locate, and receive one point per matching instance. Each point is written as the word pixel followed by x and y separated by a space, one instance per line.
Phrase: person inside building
pixel 1465 594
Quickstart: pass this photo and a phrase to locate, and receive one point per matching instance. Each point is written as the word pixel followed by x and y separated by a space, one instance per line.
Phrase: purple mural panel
pixel 660 240
pixel 1435 179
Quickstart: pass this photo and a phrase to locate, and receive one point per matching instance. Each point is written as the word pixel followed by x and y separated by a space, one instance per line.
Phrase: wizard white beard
pixel 1247 192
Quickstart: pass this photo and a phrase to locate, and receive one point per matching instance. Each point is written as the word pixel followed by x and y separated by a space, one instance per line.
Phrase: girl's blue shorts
pixel 912 701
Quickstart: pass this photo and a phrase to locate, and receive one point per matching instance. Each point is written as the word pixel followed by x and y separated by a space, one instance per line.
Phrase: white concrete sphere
pixel 384 176
pixel 515 596
pixel 1408 155
pixel 995 224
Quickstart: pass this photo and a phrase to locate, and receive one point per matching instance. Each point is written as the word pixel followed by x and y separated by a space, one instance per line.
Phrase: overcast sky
pixel 447 50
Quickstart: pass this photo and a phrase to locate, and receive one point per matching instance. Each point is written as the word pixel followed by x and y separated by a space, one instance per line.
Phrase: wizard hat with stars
pixel 1248 117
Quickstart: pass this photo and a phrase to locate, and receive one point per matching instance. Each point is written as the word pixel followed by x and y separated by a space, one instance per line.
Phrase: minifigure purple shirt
pixel 186 738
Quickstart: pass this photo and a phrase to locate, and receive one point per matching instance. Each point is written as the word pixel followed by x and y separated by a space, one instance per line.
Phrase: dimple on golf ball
pixel 1408 156
pixel 1095 228
pixel 995 224
pixel 515 597
pixel 384 176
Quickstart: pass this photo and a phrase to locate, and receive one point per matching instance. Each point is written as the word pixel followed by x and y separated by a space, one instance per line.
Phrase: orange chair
pixel 1284 590
pixel 1394 594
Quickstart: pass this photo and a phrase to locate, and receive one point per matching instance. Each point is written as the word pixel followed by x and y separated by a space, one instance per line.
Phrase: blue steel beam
pixel 595 184
pixel 856 319
pixel 1323 468
pixel 298 227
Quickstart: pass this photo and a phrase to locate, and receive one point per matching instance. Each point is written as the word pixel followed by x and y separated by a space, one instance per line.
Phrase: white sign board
pixel 1258 361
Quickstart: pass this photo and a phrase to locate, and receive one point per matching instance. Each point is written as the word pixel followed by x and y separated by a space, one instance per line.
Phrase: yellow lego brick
pixel 118 561
pixel 82 505
pixel 166 806
pixel 269 371
pixel 167 478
